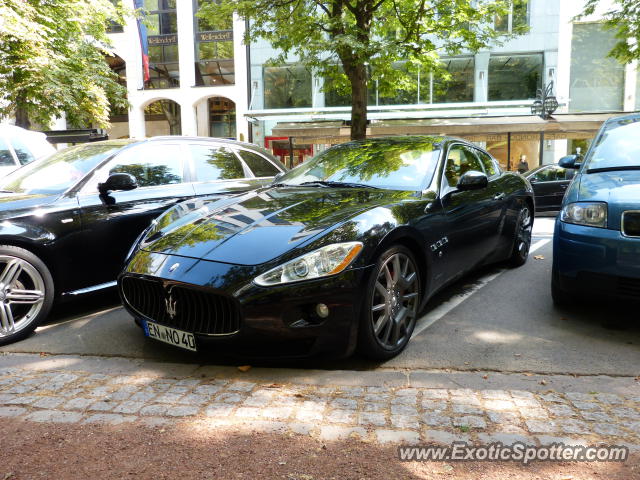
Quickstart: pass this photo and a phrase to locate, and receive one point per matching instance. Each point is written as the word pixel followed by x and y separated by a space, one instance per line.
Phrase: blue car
pixel 596 244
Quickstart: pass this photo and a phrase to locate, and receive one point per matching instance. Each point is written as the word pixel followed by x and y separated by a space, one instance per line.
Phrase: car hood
pixel 16 204
pixel 258 226
pixel 620 190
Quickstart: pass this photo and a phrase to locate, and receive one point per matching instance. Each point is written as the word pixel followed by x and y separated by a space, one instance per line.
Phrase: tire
pixel 561 298
pixel 522 238
pixel 26 293
pixel 390 306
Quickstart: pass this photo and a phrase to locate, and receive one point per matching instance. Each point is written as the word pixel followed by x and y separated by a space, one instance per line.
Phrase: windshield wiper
pixel 329 183
pixel 277 185
pixel 613 169
pixel 7 191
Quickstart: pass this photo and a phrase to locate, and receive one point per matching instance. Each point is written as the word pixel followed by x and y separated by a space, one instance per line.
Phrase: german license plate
pixel 172 336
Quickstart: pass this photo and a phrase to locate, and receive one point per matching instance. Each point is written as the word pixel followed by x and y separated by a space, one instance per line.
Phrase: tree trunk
pixel 22 118
pixel 358 79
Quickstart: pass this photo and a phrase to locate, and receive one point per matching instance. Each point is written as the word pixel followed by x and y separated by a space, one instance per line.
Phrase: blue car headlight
pixel 591 214
pixel 323 262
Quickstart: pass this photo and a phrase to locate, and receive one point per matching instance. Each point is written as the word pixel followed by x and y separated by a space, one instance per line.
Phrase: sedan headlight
pixel 323 262
pixel 591 214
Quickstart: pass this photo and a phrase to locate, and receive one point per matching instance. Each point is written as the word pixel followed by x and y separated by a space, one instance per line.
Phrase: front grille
pixel 195 310
pixel 631 224
pixel 611 284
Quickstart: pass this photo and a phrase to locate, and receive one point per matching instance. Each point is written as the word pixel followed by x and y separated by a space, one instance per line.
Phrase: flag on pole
pixel 144 43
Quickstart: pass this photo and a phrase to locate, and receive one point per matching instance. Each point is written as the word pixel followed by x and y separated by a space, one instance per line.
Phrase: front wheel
pixel 26 293
pixel 522 240
pixel 391 305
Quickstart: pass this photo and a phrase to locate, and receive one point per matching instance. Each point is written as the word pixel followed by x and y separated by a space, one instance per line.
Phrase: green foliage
pixel 52 60
pixel 366 37
pixel 624 18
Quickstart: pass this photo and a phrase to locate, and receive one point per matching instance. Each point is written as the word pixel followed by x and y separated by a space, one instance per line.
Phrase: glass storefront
pixel 288 86
pixel 214 51
pixel 597 81
pixel 515 77
pixel 162 31
pixel 222 117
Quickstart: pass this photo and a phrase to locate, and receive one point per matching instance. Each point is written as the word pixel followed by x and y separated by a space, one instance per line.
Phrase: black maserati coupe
pixel 341 252
pixel 68 221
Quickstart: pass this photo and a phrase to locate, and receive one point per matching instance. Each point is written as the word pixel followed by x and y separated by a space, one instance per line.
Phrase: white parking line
pixel 441 310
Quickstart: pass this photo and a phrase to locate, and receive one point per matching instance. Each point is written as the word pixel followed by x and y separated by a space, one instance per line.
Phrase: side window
pixel 152 164
pixel 488 163
pixel 6 159
pixel 566 173
pixel 460 161
pixel 215 163
pixel 545 175
pixel 22 152
pixel 260 166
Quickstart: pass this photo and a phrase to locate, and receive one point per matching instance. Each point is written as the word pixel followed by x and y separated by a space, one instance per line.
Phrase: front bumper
pixel 274 321
pixel 596 260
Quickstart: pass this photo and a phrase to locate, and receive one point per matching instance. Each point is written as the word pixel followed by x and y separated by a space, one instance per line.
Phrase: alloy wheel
pixel 22 294
pixel 523 238
pixel 394 303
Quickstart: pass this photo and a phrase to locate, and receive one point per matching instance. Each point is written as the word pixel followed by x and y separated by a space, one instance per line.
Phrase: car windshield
pixel 618 148
pixel 58 172
pixel 397 164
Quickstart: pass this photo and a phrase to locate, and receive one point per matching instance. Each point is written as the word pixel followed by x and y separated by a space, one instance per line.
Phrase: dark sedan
pixel 549 182
pixel 343 251
pixel 68 221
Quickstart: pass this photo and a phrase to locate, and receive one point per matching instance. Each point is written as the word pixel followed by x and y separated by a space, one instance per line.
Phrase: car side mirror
pixel 570 161
pixel 472 180
pixel 118 181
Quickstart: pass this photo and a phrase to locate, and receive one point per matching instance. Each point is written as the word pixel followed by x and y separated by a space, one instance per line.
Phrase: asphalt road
pixel 497 320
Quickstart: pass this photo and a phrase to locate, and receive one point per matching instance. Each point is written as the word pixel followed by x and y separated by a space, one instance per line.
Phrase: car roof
pixel 228 141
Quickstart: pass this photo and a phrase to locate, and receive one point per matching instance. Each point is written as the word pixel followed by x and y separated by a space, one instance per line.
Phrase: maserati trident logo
pixel 170 305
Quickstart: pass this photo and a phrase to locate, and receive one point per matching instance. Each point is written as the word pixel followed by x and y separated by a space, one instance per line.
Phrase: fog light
pixel 322 310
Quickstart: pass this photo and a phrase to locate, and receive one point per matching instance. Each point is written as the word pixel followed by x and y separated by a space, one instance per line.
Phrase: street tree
pixel 622 16
pixel 52 61
pixel 354 42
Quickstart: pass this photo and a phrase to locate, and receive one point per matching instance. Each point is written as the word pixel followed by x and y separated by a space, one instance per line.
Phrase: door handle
pixel 499 196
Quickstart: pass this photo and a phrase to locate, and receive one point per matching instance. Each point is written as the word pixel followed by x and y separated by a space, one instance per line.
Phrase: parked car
pixel 549 183
pixel 344 250
pixel 19 147
pixel 67 222
pixel 596 241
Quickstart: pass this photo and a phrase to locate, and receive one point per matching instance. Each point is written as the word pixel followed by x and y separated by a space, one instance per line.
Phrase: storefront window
pixel 515 77
pixel 214 50
pixel 597 80
pixel 162 31
pixel 287 87
pixel 422 86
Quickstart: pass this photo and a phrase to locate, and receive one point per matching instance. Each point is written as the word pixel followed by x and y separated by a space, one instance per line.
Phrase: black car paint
pixel 83 237
pixel 449 231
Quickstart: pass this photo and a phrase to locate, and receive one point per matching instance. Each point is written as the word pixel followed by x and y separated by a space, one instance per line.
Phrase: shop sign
pixel 163 39
pixel 218 36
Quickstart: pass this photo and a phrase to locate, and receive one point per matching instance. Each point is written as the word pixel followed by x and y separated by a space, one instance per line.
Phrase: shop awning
pixel 494 128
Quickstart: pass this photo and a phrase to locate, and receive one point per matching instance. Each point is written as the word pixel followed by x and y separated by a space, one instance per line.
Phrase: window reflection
pixel 214 50
pixel 287 87
pixel 515 77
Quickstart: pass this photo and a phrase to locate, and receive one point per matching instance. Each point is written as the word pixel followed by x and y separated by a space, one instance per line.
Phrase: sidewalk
pixel 379 407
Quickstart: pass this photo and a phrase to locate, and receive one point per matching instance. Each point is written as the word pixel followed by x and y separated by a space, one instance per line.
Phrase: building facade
pixel 203 80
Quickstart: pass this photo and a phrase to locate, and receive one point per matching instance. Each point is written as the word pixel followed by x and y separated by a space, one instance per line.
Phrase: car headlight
pixel 591 214
pixel 323 262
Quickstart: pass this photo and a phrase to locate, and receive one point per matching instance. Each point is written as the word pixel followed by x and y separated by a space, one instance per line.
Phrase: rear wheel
pixel 391 305
pixel 522 240
pixel 26 293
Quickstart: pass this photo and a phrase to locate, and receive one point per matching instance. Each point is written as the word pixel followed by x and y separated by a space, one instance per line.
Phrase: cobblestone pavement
pixel 374 413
